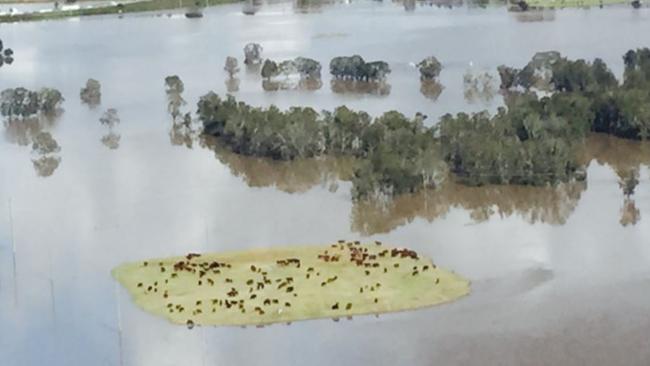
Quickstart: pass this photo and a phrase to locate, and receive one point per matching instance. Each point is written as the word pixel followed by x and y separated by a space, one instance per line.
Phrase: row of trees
pixel 533 141
pixel 356 68
pixel 21 102
pixel 396 154
pixel 305 68
pixel 613 107
pixel 351 73
pixel 6 55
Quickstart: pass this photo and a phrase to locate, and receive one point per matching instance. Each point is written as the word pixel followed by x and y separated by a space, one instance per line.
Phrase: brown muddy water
pixel 560 275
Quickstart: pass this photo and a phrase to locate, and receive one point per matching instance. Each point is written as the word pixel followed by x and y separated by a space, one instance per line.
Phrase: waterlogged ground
pixel 559 276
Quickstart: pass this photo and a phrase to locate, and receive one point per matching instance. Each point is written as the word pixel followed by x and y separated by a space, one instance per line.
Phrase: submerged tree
pixel 478 87
pixel 110 119
pixel 301 72
pixel 174 90
pixel 44 143
pixel 6 55
pixel 252 54
pixel 270 69
pixel 429 68
pixel 91 94
pixel 399 154
pixel 356 68
pixel 231 67
pixel 20 102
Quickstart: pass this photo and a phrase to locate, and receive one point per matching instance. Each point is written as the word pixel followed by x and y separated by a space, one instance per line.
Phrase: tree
pixel 253 54
pixel 429 68
pixel 91 94
pixel 174 89
pixel 231 66
pixel 270 69
pixel 308 68
pixel 50 100
pixel 44 143
pixel 20 102
pixel 110 118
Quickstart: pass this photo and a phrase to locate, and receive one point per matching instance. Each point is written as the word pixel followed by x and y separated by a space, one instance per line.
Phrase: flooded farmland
pixel 558 273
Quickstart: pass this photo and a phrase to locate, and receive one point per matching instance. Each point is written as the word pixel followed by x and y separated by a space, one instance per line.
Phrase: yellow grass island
pixel 271 285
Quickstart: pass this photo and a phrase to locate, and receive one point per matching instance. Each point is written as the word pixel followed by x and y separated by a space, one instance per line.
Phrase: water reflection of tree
pixel 33 130
pixel 110 119
pixel 46 165
pixel 184 133
pixel 431 89
pixel 310 6
pixel 479 87
pixel 22 131
pixel 302 84
pixel 232 84
pixel 552 205
pixel 621 154
pixel 298 175
pixel 409 5
pixel 628 181
pixel 625 157
pixel 549 204
pixel 380 88
pixel 537 15
pixel 251 7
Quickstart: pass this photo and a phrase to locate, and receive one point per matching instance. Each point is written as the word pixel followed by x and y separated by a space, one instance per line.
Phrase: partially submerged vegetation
pixel 397 154
pixel 26 114
pixel 6 55
pixel 23 103
pixel 265 286
pixel 301 72
pixel 91 94
pixel 534 141
pixel 356 68
pixel 110 120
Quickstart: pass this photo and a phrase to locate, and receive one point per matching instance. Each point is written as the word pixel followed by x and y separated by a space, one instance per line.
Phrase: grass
pixel 137 7
pixel 264 286
pixel 571 3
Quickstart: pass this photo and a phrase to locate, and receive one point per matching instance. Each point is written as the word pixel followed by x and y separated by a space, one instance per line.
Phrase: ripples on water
pixel 542 260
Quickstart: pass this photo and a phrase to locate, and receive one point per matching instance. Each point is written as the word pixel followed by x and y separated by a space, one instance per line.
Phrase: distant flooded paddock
pixel 558 273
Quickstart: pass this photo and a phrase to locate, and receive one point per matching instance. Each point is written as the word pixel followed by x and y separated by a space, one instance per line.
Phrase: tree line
pixel 531 141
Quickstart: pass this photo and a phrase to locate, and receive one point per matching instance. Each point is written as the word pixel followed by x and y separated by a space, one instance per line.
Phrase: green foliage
pixel 270 69
pixel 6 55
pixel 174 89
pixel 521 147
pixel 91 94
pixel 429 68
pixel 399 154
pixel 231 66
pixel 356 68
pixel 534 141
pixel 637 68
pixel 110 118
pixel 253 54
pixel 20 102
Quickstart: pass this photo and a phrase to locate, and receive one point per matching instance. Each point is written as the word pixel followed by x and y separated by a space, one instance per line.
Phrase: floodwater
pixel 560 275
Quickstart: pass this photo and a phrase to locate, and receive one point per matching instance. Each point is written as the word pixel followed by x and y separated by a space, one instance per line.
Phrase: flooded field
pixel 558 273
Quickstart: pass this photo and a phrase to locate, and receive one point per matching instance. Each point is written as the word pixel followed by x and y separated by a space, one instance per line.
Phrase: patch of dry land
pixel 264 286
